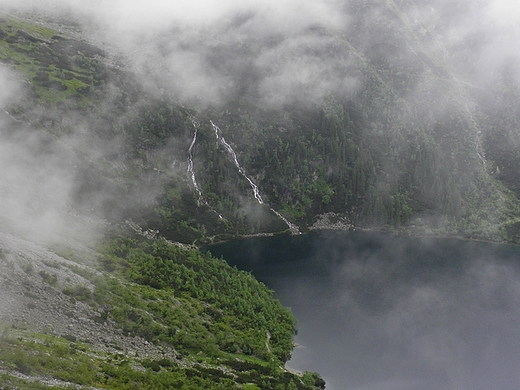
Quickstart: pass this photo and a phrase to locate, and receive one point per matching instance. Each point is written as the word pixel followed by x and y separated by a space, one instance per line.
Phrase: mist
pixel 33 191
pixel 205 51
pixel 270 55
pixel 41 172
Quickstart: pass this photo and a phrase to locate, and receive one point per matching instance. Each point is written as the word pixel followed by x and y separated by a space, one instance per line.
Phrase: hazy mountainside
pixel 381 129
pixel 381 114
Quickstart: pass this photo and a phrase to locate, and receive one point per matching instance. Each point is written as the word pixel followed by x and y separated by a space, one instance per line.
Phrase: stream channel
pixel 377 311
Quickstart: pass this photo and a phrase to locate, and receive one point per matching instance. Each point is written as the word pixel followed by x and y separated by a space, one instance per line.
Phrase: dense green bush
pixel 223 309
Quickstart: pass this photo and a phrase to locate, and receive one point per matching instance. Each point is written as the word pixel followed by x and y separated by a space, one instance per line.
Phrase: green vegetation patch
pixel 194 301
pixel 36 30
pixel 35 354
pixel 58 68
pixel 42 358
pixel 227 329
pixel 221 318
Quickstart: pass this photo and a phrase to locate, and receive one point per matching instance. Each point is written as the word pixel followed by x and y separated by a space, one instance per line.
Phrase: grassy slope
pixel 58 68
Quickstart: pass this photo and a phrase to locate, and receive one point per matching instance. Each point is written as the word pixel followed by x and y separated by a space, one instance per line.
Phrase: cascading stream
pixel 220 138
pixel 191 171
pixel 292 227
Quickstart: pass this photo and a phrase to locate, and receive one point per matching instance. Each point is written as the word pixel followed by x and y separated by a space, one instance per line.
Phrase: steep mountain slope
pixel 394 138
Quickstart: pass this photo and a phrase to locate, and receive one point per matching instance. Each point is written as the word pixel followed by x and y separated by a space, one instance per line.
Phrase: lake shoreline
pixel 340 223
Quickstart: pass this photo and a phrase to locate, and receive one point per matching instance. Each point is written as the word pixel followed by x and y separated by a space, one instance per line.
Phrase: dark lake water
pixel 382 312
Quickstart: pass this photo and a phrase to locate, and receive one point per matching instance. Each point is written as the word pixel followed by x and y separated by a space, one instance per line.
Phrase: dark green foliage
pixel 230 311
pixel 80 293
pixel 208 311
pixel 48 278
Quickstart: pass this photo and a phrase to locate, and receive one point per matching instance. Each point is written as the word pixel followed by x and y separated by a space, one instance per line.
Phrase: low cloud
pixel 179 42
pixel 286 51
pixel 37 176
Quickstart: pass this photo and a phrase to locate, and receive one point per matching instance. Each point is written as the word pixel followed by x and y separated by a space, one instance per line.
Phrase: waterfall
pixel 220 138
pixel 190 170
pixel 292 227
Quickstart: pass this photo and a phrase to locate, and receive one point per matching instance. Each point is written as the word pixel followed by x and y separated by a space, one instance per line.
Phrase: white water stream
pixel 220 138
pixel 292 227
pixel 190 170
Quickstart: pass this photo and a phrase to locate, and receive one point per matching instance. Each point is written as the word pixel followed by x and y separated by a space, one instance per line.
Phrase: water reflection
pixel 381 312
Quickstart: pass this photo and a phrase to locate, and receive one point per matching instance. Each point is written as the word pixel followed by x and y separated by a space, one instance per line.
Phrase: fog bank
pixel 208 51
